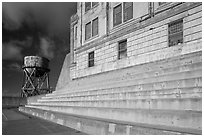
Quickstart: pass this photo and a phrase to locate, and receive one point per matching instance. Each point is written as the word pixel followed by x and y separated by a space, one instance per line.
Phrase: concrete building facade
pixel 136 68
pixel 146 35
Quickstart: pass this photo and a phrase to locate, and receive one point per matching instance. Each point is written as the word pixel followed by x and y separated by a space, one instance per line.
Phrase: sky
pixel 33 28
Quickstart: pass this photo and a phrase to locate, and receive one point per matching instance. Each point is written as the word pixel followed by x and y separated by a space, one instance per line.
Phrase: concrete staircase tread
pixel 161 62
pixel 160 78
pixel 122 99
pixel 118 78
pixel 119 92
pixel 156 126
pixel 167 111
pixel 118 86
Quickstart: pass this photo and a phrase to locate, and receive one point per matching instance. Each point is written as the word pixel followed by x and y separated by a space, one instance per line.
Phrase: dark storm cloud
pixel 51 17
pixel 12 50
pixel 48 20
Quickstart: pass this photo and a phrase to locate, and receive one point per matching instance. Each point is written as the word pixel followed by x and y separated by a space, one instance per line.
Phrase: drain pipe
pixel 81 25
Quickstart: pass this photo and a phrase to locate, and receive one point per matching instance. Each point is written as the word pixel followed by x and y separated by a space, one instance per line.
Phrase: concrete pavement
pixel 17 123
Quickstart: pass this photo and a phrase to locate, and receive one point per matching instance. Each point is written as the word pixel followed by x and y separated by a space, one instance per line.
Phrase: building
pixel 136 68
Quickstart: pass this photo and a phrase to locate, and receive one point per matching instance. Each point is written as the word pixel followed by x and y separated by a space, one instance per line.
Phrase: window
pixel 88 31
pixel 94 3
pixel 117 15
pixel 95 27
pixel 91 59
pixel 161 3
pixel 75 33
pixel 91 29
pixel 175 32
pixel 127 11
pixel 122 49
pixel 87 6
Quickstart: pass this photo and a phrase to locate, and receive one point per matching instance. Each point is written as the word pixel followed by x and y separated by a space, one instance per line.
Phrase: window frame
pixel 75 35
pixel 114 15
pixel 126 9
pixel 161 3
pixel 91 5
pixel 170 24
pixel 91 31
pixel 90 60
pixel 86 8
pixel 92 27
pixel 122 50
pixel 122 13
pixel 86 37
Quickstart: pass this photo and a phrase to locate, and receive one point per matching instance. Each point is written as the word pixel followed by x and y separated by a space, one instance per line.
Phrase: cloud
pixel 15 67
pixel 46 48
pixel 51 17
pixel 12 50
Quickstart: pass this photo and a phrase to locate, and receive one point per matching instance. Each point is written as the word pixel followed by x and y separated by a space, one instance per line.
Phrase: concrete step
pixel 131 93
pixel 145 96
pixel 97 126
pixel 165 93
pixel 182 62
pixel 167 77
pixel 177 82
pixel 193 104
pixel 129 77
pixel 157 65
pixel 159 72
pixel 172 118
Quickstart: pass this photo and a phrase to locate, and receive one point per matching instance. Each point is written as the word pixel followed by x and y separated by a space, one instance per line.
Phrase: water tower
pixel 36 76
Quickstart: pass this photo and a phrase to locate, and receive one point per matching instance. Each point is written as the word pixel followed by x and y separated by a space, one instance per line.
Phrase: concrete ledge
pixel 176 118
pixel 98 126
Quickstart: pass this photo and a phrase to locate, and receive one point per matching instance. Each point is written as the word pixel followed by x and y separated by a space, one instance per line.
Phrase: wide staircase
pixel 163 97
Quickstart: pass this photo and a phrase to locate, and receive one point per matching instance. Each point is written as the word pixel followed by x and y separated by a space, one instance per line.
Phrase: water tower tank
pixel 40 64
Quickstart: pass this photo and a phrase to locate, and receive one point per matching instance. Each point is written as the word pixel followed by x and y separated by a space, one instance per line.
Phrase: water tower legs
pixel 34 84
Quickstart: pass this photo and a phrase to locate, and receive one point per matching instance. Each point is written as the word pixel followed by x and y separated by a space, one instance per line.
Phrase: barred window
pixel 175 32
pixel 122 49
pixel 88 31
pixel 91 59
pixel 95 27
pixel 117 15
pixel 87 6
pixel 127 11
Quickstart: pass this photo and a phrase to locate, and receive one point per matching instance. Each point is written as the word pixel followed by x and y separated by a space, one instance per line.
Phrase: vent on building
pixel 175 32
